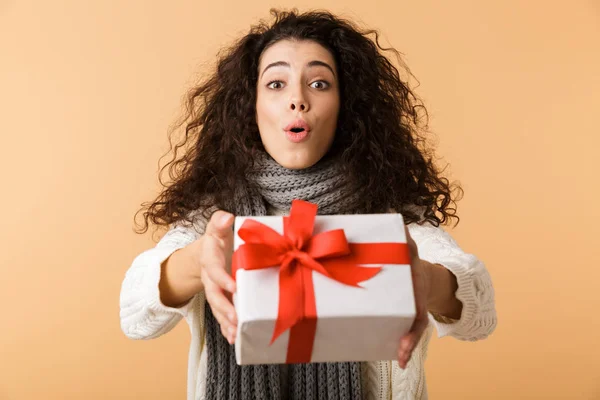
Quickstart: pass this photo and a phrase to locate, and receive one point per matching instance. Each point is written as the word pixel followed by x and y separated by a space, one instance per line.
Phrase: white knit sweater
pixel 143 316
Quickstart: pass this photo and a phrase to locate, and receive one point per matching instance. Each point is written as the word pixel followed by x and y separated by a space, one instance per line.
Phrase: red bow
pixel 298 253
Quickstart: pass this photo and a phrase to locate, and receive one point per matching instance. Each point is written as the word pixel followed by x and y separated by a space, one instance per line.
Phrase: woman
pixel 304 108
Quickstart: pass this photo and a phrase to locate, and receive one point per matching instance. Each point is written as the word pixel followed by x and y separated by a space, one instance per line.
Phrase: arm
pixel 443 285
pixel 179 278
pixel 143 314
pixel 470 284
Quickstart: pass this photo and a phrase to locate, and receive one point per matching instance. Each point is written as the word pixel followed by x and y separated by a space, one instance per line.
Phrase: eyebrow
pixel 315 63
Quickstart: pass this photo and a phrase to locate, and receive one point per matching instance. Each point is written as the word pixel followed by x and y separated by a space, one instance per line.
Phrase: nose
pixel 299 105
pixel 298 102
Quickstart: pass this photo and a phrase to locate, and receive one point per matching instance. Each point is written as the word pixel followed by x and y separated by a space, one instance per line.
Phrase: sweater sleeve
pixel 475 291
pixel 143 316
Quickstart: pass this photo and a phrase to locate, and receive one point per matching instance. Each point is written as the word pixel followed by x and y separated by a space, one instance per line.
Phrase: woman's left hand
pixel 421 287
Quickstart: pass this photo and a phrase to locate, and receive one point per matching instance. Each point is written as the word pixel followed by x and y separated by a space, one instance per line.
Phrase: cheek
pixel 331 103
pixel 266 112
pixel 331 110
pixel 259 110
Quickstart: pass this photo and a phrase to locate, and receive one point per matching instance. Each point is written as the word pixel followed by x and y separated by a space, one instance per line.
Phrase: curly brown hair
pixel 380 137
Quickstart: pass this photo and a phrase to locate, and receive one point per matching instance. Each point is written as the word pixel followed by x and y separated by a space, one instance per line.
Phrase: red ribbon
pixel 298 253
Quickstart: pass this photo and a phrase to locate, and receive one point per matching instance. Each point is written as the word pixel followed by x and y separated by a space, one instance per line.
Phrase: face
pixel 297 102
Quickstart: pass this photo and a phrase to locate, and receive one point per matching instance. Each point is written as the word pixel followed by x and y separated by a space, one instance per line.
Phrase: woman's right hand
pixel 214 250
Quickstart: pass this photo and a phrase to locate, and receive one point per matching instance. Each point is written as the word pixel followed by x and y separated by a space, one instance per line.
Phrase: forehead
pixel 296 51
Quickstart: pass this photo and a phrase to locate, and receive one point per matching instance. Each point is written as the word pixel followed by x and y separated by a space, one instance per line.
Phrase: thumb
pixel 220 225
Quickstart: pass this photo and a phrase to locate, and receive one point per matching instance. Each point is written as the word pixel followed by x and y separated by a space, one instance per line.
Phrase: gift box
pixel 321 288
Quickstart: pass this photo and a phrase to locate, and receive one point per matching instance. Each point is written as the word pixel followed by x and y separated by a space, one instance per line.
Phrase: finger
pixel 403 350
pixel 417 331
pixel 214 265
pixel 409 342
pixel 229 333
pixel 220 224
pixel 223 323
pixel 228 330
pixel 219 302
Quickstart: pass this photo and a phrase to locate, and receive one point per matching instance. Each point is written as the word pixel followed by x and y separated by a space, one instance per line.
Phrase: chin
pixel 295 161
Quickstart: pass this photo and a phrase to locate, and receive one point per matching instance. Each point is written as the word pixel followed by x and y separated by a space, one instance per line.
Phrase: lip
pixel 297 124
pixel 297 137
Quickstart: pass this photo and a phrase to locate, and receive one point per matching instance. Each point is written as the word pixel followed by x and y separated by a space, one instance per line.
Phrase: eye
pixel 320 85
pixel 275 85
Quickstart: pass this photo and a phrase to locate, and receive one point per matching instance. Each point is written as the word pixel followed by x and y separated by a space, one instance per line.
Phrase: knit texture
pixel 143 316
pixel 272 184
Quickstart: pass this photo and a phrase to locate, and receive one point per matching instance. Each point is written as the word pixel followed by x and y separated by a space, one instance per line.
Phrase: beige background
pixel 88 91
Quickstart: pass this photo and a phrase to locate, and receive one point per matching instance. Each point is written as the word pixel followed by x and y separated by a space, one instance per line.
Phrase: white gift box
pixel 354 324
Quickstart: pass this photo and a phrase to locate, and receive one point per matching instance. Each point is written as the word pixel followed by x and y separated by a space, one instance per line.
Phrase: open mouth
pixel 297 131
pixel 297 135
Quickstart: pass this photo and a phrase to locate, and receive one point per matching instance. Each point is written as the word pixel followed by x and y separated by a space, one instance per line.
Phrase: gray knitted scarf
pixel 274 185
